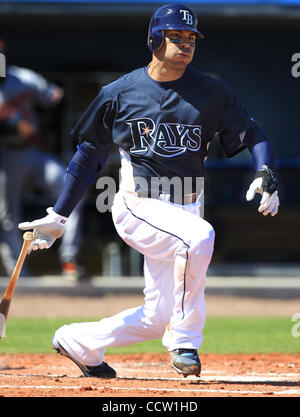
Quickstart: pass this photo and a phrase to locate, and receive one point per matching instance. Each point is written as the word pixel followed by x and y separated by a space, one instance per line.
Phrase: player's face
pixel 179 47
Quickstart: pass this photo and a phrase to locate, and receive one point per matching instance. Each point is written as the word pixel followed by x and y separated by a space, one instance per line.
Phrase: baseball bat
pixel 28 237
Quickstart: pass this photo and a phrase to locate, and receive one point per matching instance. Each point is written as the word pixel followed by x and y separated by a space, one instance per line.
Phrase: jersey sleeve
pixel 234 123
pixel 95 126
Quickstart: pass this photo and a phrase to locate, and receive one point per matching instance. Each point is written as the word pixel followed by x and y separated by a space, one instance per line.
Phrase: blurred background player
pixel 25 164
pixel 163 118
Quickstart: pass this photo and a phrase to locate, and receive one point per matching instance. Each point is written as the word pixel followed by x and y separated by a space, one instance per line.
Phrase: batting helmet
pixel 170 17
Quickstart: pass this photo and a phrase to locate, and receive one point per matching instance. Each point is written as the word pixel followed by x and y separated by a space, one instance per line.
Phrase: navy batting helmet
pixel 170 17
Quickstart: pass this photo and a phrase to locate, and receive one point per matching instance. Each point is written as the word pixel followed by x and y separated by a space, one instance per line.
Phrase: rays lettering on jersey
pixel 166 140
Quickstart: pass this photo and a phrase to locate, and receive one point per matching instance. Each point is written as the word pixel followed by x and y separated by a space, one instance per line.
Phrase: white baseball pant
pixel 177 245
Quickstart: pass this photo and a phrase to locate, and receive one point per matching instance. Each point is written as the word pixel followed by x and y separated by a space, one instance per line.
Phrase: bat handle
pixel 28 236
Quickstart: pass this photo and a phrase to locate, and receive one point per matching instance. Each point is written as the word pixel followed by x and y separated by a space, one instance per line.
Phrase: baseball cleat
pixel 186 362
pixel 100 371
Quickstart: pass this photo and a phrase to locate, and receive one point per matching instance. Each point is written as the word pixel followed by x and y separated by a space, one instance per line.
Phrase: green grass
pixel 221 335
pixel 249 335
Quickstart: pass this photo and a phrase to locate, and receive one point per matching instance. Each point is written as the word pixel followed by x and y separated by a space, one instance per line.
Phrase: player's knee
pixel 203 242
pixel 208 240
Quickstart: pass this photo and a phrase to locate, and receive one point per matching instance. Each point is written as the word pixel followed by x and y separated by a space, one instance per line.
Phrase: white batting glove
pixel 46 229
pixel 265 184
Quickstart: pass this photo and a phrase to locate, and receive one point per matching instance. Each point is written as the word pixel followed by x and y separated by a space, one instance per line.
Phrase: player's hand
pixel 265 184
pixel 46 230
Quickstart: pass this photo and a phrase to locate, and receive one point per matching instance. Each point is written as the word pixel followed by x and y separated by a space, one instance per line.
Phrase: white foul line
pixel 207 378
pixel 94 388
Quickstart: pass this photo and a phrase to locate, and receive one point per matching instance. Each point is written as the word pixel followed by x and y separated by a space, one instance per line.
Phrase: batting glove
pixel 46 230
pixel 265 184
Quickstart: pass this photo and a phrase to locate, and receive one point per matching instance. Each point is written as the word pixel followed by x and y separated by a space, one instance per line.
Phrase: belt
pixel 182 200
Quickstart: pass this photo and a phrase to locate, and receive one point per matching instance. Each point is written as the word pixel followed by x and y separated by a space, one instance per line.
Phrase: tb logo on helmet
pixel 187 17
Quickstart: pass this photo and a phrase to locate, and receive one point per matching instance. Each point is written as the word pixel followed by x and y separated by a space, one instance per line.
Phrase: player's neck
pixel 162 72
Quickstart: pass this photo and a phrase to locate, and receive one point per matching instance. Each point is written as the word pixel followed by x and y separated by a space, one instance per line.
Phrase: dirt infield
pixel 150 375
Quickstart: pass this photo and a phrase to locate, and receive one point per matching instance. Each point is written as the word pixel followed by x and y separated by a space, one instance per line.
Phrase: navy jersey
pixel 163 129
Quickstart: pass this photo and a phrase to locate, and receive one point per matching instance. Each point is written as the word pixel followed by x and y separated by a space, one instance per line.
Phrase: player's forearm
pixel 73 191
pixel 262 154
pixel 260 148
pixel 82 172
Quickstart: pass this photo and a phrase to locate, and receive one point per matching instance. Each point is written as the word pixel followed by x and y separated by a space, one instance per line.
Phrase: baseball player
pixel 23 162
pixel 163 118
